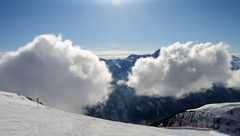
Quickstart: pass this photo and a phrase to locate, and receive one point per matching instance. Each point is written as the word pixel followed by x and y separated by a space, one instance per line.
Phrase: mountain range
pixel 125 106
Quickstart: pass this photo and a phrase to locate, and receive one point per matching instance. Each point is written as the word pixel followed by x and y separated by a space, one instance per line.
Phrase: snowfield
pixel 21 117
pixel 223 117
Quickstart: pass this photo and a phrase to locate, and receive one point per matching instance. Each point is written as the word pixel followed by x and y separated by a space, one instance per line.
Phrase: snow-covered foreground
pixel 22 117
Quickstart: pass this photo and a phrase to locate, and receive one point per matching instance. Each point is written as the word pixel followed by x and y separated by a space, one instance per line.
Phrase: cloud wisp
pixel 61 74
pixel 117 54
pixel 182 69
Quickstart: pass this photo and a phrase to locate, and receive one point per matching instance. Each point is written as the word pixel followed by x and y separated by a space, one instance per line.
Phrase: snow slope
pixel 223 117
pixel 22 117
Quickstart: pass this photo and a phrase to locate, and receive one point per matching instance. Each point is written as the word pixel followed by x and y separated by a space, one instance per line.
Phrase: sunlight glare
pixel 116 2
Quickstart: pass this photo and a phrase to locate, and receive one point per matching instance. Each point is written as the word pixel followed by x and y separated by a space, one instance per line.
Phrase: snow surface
pixel 223 117
pixel 221 110
pixel 219 106
pixel 22 117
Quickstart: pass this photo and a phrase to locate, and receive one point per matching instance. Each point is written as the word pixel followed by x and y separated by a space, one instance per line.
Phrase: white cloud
pixel 234 81
pixel 181 69
pixel 237 54
pixel 1 54
pixel 60 74
pixel 113 54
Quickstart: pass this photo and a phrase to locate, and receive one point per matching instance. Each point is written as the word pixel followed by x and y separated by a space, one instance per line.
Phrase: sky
pixel 127 25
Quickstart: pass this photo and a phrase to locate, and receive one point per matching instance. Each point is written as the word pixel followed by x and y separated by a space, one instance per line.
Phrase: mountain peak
pixel 156 53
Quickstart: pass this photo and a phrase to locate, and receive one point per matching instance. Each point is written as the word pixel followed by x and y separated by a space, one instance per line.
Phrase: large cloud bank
pixel 183 68
pixel 234 81
pixel 60 74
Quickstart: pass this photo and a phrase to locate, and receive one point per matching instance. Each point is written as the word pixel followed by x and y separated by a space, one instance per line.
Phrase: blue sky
pixel 120 24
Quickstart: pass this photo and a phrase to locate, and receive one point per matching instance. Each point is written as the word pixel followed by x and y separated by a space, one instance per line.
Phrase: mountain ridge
pixel 123 103
pixel 223 117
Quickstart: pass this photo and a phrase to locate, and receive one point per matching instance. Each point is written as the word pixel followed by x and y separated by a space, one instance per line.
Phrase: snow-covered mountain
pixel 125 106
pixel 223 117
pixel 121 67
pixel 20 116
pixel 235 62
